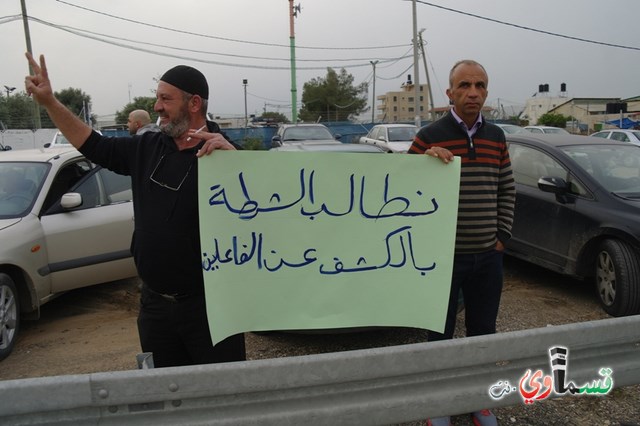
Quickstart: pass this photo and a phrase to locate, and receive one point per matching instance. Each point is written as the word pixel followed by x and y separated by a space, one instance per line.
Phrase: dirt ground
pixel 94 330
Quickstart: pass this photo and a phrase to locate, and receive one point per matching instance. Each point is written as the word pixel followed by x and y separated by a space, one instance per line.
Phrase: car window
pixel 601 134
pixel 375 133
pixel 66 178
pixel 619 136
pixel 306 133
pixel 555 130
pixel 398 134
pixel 616 168
pixel 19 187
pixel 117 187
pixel 530 164
pixel 534 130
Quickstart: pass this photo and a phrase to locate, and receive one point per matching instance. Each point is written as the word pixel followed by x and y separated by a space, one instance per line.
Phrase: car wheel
pixel 9 315
pixel 618 278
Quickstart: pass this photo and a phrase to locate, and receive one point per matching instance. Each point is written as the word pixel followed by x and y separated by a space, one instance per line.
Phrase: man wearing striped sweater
pixel 485 209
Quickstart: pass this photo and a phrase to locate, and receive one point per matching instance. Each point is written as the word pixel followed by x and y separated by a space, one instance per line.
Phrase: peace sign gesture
pixel 38 84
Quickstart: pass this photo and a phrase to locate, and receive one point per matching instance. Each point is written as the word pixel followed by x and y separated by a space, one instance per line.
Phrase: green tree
pixel 16 111
pixel 77 101
pixel 551 119
pixel 141 102
pixel 333 98
pixel 275 116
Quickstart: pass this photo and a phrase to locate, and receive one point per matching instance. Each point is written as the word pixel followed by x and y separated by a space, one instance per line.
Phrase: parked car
pixel 621 135
pixel 545 129
pixel 391 137
pixel 510 128
pixel 303 133
pixel 329 147
pixel 578 212
pixel 57 141
pixel 65 223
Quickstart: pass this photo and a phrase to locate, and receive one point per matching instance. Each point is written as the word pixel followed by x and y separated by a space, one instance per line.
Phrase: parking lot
pixel 94 329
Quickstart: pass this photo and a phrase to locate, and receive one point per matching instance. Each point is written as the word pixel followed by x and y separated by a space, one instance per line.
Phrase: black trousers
pixel 177 332
pixel 479 276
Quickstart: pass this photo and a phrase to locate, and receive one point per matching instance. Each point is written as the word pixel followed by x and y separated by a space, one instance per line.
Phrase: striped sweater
pixel 487 189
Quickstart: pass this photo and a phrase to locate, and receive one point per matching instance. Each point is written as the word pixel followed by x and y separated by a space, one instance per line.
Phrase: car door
pixel 90 243
pixel 543 225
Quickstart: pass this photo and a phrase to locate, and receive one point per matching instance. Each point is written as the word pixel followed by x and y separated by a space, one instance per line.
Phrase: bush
pixel 253 144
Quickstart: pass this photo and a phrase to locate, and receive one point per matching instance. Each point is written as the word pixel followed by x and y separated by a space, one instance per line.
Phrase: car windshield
pixel 19 183
pixel 509 128
pixel 555 130
pixel 60 140
pixel 401 134
pixel 307 133
pixel 616 168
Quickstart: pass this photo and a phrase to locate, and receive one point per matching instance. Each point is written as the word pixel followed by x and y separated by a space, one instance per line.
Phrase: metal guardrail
pixel 374 386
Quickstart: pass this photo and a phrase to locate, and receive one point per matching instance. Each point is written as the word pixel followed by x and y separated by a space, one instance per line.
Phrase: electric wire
pixel 522 27
pixel 226 38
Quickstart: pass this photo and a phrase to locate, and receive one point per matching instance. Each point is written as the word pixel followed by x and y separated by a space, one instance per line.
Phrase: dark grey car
pixel 578 212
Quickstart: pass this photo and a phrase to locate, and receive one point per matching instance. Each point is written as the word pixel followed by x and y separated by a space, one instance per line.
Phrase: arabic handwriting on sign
pixel 361 264
pixel 254 250
pixel 310 205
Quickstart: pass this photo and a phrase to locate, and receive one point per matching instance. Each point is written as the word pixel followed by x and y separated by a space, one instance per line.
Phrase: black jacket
pixel 166 239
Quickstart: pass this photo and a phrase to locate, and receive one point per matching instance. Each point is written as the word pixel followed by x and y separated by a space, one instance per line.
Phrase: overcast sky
pixel 232 40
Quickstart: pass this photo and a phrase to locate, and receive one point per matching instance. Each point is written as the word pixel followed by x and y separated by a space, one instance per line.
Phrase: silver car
pixel 295 134
pixel 622 135
pixel 391 137
pixel 65 223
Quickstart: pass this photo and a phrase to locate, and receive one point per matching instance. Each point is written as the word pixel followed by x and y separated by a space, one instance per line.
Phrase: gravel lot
pixel 94 329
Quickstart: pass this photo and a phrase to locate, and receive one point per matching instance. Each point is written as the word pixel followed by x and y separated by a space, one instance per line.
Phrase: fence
pixel 349 132
pixel 376 386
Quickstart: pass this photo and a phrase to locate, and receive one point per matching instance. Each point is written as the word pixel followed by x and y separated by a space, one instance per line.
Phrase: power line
pixel 224 38
pixel 97 37
pixel 522 27
pixel 77 31
pixel 81 33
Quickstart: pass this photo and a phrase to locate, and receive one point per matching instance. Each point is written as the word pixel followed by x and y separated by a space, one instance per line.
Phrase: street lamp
pixel 244 83
pixel 9 90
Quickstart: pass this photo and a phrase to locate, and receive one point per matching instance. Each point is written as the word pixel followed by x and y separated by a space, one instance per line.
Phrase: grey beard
pixel 175 130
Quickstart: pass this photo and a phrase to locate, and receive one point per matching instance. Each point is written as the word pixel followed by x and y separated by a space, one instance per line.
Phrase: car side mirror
pixel 557 186
pixel 276 141
pixel 337 136
pixel 71 200
pixel 553 185
pixel 383 138
pixel 47 145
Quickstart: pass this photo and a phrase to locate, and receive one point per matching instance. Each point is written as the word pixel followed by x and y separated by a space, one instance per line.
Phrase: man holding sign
pixel 485 209
pixel 163 167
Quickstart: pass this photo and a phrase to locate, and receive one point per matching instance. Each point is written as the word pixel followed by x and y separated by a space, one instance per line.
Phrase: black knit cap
pixel 187 79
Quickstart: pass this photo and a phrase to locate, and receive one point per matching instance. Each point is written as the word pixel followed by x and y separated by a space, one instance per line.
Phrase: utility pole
pixel 27 36
pixel 373 101
pixel 293 12
pixel 416 71
pixel 246 118
pixel 426 70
